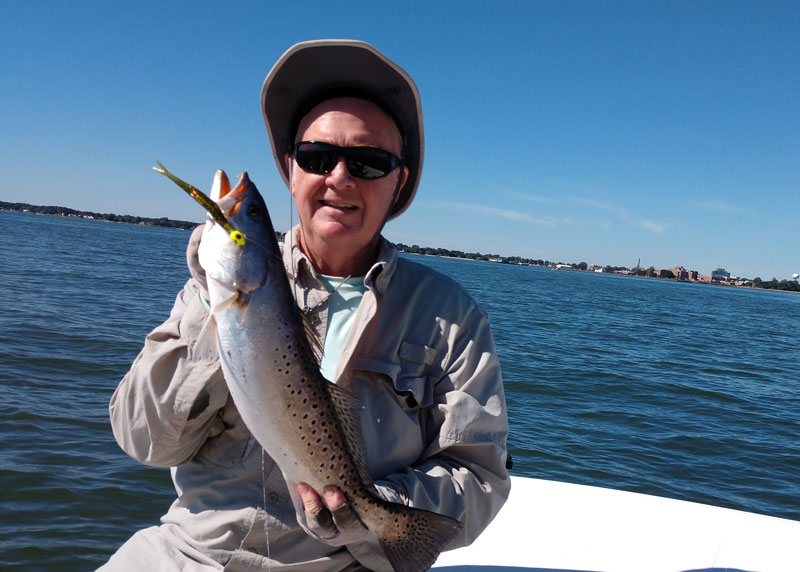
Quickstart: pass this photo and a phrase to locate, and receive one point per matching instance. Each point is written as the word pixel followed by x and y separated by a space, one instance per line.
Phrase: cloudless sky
pixel 571 131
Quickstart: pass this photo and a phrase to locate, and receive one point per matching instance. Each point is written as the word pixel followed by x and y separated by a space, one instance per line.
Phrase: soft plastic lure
pixel 205 201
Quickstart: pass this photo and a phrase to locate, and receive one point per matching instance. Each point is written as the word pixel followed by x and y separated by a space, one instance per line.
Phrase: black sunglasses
pixel 362 162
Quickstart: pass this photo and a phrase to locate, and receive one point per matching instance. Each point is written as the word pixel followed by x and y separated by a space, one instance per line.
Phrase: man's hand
pixel 328 517
pixel 313 503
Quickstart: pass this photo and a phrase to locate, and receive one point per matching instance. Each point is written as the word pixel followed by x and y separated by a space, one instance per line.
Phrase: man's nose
pixel 339 175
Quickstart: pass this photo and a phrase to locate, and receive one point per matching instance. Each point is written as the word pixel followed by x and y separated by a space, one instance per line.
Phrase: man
pixel 345 127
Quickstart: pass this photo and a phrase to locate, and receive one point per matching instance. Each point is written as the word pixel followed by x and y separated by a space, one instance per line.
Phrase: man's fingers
pixel 329 517
pixel 334 498
pixel 311 501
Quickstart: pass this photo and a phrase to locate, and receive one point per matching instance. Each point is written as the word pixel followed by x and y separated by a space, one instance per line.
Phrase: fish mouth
pixel 230 200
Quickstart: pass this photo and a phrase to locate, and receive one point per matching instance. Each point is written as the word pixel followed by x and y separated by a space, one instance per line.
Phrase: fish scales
pixel 309 426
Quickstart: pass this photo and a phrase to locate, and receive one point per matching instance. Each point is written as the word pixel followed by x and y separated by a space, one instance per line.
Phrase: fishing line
pixel 266 514
pixel 306 309
pixel 291 232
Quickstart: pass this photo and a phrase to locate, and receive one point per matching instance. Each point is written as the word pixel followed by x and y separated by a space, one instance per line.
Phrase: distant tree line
pixel 67 212
pixel 128 219
pixel 611 269
pixel 416 249
pixel 650 272
pixel 775 284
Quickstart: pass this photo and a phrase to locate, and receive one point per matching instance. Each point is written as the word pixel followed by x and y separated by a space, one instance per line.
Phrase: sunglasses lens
pixel 315 158
pixel 369 163
pixel 362 162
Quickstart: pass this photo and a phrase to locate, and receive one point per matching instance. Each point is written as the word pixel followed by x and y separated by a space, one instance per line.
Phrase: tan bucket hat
pixel 310 72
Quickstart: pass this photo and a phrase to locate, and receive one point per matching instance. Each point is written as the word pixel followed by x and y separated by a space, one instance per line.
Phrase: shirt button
pixel 272 497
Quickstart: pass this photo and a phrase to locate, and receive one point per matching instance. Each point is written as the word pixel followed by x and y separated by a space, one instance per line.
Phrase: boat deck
pixel 554 526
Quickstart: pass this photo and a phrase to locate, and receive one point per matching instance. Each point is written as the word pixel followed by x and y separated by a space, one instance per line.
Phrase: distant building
pixel 720 275
pixel 680 273
pixel 693 275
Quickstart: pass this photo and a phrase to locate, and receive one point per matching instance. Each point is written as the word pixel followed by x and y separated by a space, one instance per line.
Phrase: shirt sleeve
pixel 166 405
pixel 463 471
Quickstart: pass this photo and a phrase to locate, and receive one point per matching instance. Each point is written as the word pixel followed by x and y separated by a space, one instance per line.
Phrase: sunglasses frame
pixel 349 154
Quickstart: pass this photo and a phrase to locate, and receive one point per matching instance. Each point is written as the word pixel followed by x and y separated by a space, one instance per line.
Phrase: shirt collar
pixel 301 271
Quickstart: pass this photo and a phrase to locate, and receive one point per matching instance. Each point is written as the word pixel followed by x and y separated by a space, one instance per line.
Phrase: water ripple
pixel 679 390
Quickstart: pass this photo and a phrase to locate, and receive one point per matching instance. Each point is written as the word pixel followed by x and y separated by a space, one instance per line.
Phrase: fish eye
pixel 254 212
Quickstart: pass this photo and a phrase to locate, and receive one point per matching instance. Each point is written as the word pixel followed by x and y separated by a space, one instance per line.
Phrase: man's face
pixel 339 214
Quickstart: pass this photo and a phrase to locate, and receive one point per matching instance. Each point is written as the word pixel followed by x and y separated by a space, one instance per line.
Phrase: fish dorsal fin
pixel 311 336
pixel 347 407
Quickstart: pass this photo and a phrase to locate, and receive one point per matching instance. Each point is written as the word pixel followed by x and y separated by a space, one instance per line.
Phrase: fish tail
pixel 415 539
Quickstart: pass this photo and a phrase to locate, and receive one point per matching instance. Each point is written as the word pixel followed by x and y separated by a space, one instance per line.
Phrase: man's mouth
pixel 340 206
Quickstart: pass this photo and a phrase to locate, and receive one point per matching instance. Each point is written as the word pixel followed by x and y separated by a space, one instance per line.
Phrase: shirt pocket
pixel 409 376
pixel 230 443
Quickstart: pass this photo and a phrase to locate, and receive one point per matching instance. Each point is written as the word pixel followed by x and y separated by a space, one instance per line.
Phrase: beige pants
pixel 149 550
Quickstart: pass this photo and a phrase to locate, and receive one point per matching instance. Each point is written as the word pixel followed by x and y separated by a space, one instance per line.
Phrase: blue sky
pixel 603 132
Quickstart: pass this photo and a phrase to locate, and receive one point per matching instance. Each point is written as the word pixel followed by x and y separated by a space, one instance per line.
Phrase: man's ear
pixel 404 177
pixel 287 159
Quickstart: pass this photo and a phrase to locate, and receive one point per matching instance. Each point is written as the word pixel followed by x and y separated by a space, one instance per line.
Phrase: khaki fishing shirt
pixel 420 358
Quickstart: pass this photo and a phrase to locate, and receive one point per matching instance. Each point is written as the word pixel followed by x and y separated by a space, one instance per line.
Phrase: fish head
pixel 233 268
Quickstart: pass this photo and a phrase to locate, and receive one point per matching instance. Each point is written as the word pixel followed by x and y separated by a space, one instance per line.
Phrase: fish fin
pixel 313 339
pixel 347 407
pixel 427 534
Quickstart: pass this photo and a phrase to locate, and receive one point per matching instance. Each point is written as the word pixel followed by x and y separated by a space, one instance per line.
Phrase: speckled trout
pixel 307 425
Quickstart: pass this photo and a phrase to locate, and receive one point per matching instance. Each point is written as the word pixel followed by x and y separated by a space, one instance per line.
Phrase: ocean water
pixel 679 390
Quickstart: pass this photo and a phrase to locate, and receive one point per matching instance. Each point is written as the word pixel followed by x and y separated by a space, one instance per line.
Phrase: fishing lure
pixel 205 201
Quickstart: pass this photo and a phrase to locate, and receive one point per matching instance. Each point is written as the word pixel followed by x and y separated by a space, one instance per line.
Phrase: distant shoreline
pixel 164 222
pixel 89 215
pixel 573 268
